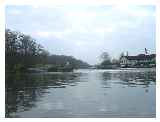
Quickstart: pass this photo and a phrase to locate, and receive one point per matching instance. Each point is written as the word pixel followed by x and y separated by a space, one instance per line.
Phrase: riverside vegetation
pixel 23 52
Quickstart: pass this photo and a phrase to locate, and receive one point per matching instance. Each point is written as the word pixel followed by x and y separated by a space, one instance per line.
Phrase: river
pixel 82 93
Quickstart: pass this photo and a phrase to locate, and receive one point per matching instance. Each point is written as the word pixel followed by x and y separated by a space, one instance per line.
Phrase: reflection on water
pixel 83 93
pixel 130 78
pixel 23 90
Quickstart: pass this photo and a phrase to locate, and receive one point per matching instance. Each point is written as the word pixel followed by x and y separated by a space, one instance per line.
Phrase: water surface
pixel 82 93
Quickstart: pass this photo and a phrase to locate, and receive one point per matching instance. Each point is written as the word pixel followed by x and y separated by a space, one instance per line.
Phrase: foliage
pixel 62 60
pixel 121 55
pixel 105 56
pixel 22 50
pixel 107 62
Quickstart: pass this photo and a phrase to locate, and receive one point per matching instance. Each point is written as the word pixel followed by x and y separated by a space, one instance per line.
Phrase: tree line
pixel 22 51
pixel 107 62
pixel 62 60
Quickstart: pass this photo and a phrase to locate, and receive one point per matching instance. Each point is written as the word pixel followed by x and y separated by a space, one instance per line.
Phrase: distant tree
pixel 61 60
pixel 105 56
pixel 115 61
pixel 106 60
pixel 121 55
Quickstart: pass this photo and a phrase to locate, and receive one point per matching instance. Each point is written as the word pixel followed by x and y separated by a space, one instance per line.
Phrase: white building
pixel 140 60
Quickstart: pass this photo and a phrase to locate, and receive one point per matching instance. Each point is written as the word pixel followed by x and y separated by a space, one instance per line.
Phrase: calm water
pixel 83 93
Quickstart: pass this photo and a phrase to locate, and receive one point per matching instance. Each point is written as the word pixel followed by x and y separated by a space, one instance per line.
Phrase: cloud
pixel 49 34
pixel 104 30
pixel 14 12
pixel 88 30
pixel 135 10
pixel 81 14
pixel 43 34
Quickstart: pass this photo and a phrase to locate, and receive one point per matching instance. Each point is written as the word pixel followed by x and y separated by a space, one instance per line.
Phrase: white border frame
pixel 73 2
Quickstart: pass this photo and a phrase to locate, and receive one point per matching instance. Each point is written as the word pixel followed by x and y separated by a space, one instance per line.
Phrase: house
pixel 141 60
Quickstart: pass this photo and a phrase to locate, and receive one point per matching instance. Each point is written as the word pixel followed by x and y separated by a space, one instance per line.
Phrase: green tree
pixel 106 61
pixel 22 50
pixel 105 56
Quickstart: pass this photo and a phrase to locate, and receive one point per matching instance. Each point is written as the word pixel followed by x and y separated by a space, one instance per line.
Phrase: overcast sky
pixel 86 31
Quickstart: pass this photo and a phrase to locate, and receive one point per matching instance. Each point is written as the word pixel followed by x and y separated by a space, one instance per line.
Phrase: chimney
pixel 146 51
pixel 127 53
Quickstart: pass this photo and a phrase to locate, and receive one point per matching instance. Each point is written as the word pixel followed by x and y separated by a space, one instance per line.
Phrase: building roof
pixel 141 57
